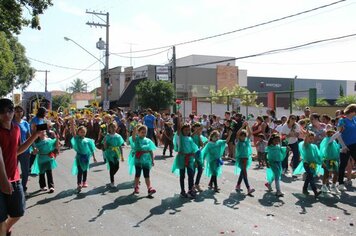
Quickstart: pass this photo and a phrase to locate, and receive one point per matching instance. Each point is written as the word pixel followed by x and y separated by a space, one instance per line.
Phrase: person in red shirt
pixel 12 199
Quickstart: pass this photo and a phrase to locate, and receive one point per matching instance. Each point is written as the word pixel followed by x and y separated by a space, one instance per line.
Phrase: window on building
pixel 355 87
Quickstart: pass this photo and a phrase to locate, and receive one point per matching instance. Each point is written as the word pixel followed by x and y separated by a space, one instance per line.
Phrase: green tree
pixel 78 86
pixel 61 101
pixel 12 17
pixel 346 100
pixel 156 95
pixel 15 69
pixel 247 98
pixel 304 102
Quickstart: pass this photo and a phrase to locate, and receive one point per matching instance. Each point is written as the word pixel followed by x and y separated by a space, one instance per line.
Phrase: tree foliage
pixel 12 17
pixel 247 98
pixel 346 100
pixel 15 69
pixel 61 101
pixel 78 86
pixel 304 102
pixel 156 95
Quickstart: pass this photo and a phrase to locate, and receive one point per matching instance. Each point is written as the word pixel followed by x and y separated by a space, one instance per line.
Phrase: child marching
pixel 185 159
pixel 199 140
pixel 243 157
pixel 311 163
pixel 84 148
pixel 275 155
pixel 330 154
pixel 112 151
pixel 46 150
pixel 141 157
pixel 212 153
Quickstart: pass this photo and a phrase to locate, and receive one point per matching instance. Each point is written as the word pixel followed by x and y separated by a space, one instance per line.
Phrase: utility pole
pixel 174 78
pixel 106 68
pixel 45 71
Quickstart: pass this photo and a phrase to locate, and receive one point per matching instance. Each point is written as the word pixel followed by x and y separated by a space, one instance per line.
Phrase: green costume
pixel 44 160
pixel 186 149
pixel 85 148
pixel 243 150
pixel 212 153
pixel 198 157
pixel 275 156
pixel 310 155
pixel 112 152
pixel 140 154
pixel 330 154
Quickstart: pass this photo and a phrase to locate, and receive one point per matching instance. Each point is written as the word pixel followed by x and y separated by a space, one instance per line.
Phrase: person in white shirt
pixel 291 130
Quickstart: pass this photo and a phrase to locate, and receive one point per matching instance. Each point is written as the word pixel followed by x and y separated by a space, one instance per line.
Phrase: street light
pixel 69 39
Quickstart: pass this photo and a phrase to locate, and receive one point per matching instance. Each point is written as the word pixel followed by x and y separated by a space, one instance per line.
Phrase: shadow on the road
pixel 270 199
pixel 304 201
pixel 99 163
pixel 160 157
pixel 287 179
pixel 234 200
pixel 171 204
pixel 120 201
pixel 60 195
pixel 207 194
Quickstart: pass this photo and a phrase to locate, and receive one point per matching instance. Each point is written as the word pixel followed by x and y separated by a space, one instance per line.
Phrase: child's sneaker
pixel 238 188
pixel 112 185
pixel 151 191
pixel 198 188
pixel 79 188
pixel 268 186
pixel 136 190
pixel 217 190
pixel 279 194
pixel 44 189
pixel 325 189
pixel 85 184
pixel 305 192
pixel 317 194
pixel 191 194
pixel 51 190
pixel 183 194
pixel 342 187
pixel 250 190
pixel 335 190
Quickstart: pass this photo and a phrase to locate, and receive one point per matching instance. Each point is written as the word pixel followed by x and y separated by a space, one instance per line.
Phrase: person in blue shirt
pixel 24 158
pixel 149 121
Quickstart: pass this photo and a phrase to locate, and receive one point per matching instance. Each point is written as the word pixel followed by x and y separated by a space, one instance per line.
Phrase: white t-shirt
pixel 286 130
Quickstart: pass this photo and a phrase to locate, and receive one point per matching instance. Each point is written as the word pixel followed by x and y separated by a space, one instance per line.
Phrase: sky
pixel 142 24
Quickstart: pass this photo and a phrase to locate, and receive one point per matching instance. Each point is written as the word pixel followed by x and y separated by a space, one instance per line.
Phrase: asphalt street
pixel 99 210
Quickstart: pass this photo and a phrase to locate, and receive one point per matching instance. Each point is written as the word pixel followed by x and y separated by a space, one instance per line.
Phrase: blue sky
pixel 143 24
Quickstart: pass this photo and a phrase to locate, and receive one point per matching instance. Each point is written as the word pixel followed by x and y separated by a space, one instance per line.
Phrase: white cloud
pixel 69 8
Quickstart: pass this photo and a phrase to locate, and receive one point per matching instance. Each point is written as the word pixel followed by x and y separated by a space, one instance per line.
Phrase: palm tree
pixel 78 86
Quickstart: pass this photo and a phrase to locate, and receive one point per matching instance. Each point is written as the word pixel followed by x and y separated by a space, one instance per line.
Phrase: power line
pixel 154 54
pixel 238 30
pixel 274 51
pixel 301 63
pixel 59 66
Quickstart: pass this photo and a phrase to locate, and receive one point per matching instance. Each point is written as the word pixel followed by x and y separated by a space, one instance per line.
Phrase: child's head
pixel 261 136
pixel 112 127
pixel 142 131
pixel 196 126
pixel 185 130
pixel 274 140
pixel 309 137
pixel 82 131
pixel 214 136
pixel 243 135
pixel 330 132
pixel 42 134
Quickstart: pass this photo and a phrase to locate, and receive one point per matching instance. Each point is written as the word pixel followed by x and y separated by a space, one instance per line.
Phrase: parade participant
pixel 212 153
pixel 199 140
pixel 12 199
pixel 150 121
pixel 46 150
pixel 330 154
pixel 24 158
pixel 311 163
pixel 275 155
pixel 141 157
pixel 243 156
pixel 39 119
pixel 112 146
pixel 205 124
pixel 107 119
pixel 261 151
pixel 167 137
pixel 347 128
pixel 317 128
pixel 84 148
pixel 291 131
pixel 185 159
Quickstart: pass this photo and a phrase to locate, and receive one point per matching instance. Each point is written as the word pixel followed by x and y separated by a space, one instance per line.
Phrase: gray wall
pixel 328 89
